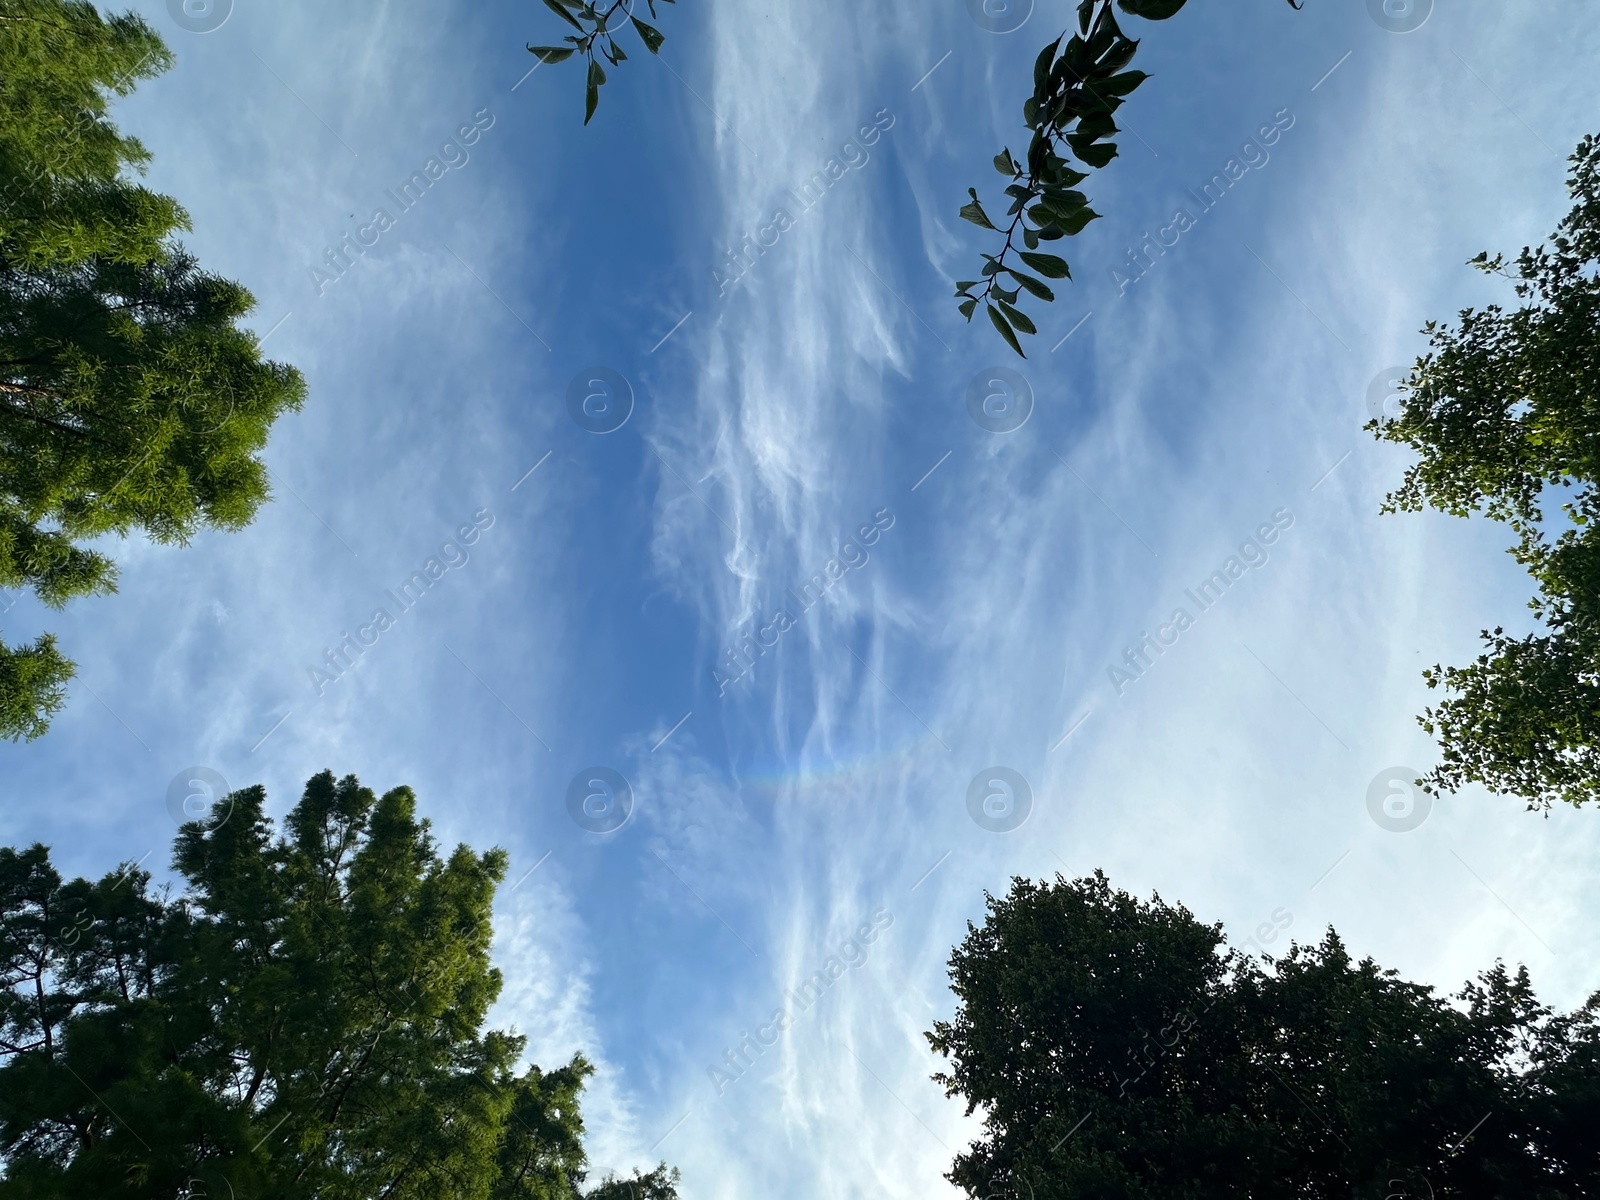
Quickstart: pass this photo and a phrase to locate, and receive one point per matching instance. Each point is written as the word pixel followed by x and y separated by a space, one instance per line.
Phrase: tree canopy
pixel 305 1018
pixel 1118 1049
pixel 1504 414
pixel 131 401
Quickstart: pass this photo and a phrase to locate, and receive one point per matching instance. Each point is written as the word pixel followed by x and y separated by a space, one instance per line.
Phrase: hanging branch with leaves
pixel 597 26
pixel 1077 87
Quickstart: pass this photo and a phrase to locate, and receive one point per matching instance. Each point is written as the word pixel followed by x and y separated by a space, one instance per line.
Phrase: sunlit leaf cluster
pixel 1502 413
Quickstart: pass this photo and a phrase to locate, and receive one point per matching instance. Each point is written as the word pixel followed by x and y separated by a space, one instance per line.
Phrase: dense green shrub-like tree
pixel 131 401
pixel 304 1019
pixel 1117 1050
pixel 1504 413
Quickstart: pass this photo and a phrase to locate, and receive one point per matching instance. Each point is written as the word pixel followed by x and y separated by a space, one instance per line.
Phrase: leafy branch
pixel 594 23
pixel 1076 90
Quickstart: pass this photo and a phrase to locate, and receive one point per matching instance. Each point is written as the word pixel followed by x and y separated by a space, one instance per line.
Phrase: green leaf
pixel 650 35
pixel 1041 66
pixel 1120 56
pixel 1057 172
pixel 551 54
pixel 967 306
pixel 1106 32
pixel 1069 221
pixel 1151 10
pixel 1121 85
pixel 1004 163
pixel 1018 318
pixel 1033 285
pixel 561 12
pixel 1047 265
pixel 591 99
pixel 1063 201
pixel 1005 330
pixel 999 293
pixel 974 212
pixel 1092 128
pixel 963 284
pixel 1097 154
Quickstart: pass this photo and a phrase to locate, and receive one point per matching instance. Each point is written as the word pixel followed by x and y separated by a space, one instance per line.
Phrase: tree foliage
pixel 130 399
pixel 304 1019
pixel 1117 1049
pixel 1078 85
pixel 597 26
pixel 1504 414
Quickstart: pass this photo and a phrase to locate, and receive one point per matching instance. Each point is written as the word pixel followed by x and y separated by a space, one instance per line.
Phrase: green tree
pixel 131 401
pixel 1117 1049
pixel 305 1018
pixel 1504 414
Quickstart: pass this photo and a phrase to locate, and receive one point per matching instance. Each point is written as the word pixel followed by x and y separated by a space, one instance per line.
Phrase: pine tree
pixel 306 1018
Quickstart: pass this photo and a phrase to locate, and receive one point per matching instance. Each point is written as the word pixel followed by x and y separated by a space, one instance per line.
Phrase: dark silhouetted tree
pixel 1118 1050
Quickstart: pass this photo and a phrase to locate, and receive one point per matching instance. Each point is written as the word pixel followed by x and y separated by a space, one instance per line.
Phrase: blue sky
pixel 828 788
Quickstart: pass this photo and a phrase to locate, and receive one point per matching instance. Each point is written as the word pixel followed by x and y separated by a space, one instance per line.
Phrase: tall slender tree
pixel 304 1018
pixel 131 400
